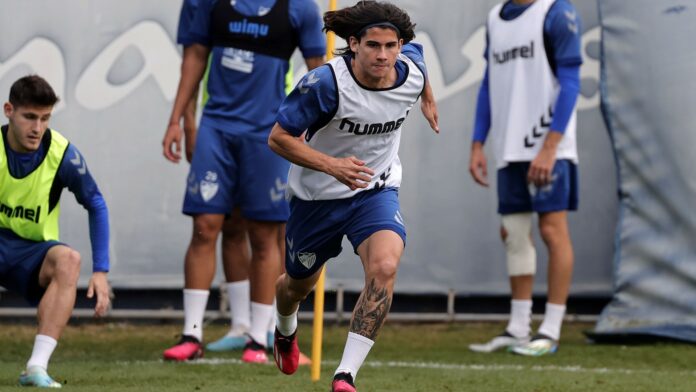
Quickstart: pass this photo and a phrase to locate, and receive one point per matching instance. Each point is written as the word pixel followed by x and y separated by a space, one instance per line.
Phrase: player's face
pixel 375 56
pixel 27 126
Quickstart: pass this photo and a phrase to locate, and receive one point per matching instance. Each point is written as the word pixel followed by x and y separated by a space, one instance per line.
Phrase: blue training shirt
pixel 562 34
pixel 245 87
pixel 82 185
pixel 188 11
pixel 309 105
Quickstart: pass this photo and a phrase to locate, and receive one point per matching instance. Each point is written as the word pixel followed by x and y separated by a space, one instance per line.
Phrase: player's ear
pixel 353 43
pixel 8 109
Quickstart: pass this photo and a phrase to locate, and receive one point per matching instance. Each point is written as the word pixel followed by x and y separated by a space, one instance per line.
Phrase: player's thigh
pixel 263 177
pixel 374 211
pixel 212 180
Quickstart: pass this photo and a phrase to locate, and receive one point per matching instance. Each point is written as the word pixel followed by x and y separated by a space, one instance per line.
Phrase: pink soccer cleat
pixel 254 353
pixel 343 382
pixel 188 348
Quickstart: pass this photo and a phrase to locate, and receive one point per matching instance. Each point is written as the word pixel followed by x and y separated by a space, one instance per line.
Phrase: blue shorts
pixel 229 171
pixel 20 264
pixel 316 228
pixel 516 195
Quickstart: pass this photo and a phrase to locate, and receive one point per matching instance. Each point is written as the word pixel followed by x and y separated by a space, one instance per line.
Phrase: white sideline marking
pixel 439 365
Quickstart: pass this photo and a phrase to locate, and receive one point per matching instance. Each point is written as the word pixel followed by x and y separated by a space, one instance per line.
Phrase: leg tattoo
pixel 371 310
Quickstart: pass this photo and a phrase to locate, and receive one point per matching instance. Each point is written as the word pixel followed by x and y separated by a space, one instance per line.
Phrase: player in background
pixel 36 163
pixel 249 43
pixel 345 173
pixel 527 102
pixel 235 242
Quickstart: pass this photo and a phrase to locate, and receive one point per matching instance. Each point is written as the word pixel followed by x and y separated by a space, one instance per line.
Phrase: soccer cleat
pixel 504 340
pixel 286 352
pixel 188 348
pixel 270 338
pixel 234 340
pixel 36 376
pixel 254 353
pixel 343 382
pixel 538 346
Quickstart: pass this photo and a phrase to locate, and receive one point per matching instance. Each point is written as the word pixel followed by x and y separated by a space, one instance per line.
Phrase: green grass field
pixel 420 357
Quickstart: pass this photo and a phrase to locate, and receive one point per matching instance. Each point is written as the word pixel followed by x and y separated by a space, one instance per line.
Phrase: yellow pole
pixel 318 324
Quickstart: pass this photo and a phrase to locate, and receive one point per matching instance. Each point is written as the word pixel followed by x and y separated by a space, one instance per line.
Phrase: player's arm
pixel 305 18
pixel 478 167
pixel 562 27
pixel 190 127
pixel 197 47
pixel 313 62
pixel 309 107
pixel 192 69
pixel 185 38
pixel 350 170
pixel 414 52
pixel 73 174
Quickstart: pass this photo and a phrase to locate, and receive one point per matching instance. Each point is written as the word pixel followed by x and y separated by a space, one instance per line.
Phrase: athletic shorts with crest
pixel 229 171
pixel 515 195
pixel 316 228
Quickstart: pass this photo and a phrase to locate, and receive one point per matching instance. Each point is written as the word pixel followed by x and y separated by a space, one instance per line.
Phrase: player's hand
pixel 541 169
pixel 352 172
pixel 99 285
pixel 478 168
pixel 171 143
pixel 429 108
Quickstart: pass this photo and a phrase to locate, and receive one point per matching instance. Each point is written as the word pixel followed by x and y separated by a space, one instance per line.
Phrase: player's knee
pixel 68 266
pixel 205 231
pixel 382 269
pixel 521 255
pixel 551 232
pixel 296 291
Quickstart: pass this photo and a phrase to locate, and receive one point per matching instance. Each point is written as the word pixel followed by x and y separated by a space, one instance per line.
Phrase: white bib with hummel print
pixel 523 88
pixel 367 125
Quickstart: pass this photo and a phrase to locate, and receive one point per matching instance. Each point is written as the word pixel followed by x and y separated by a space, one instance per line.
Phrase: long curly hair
pixel 351 21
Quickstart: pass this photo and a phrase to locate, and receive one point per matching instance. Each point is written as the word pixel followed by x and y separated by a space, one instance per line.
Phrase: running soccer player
pixel 36 163
pixel 345 178
pixel 527 101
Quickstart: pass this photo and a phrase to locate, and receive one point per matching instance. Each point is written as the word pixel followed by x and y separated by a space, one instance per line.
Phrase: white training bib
pixel 523 88
pixel 367 125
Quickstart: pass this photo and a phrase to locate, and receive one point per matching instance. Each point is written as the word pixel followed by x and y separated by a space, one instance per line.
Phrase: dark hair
pixel 352 21
pixel 32 90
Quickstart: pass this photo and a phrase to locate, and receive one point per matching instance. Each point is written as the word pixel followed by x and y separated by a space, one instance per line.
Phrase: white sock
pixel 43 349
pixel 354 354
pixel 520 318
pixel 260 317
pixel 238 295
pixel 287 325
pixel 553 318
pixel 272 321
pixel 195 302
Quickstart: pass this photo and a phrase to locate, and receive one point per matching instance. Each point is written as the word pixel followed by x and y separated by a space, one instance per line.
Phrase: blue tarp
pixel 648 88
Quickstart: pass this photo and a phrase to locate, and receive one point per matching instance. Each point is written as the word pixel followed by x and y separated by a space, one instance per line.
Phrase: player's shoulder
pixel 318 79
pixel 563 10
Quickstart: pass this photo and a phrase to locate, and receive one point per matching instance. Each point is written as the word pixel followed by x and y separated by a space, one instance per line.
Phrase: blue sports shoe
pixel 270 339
pixel 234 340
pixel 36 376
pixel 538 346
